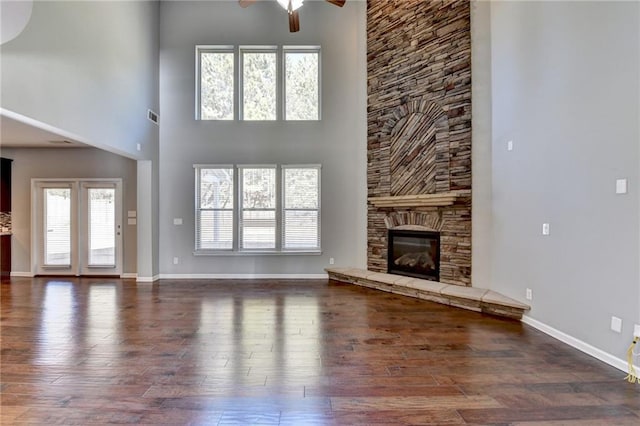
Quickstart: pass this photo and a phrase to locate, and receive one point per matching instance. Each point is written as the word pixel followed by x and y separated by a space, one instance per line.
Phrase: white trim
pixel 22 274
pixel 147 279
pixel 242 276
pixel 599 354
pixel 128 275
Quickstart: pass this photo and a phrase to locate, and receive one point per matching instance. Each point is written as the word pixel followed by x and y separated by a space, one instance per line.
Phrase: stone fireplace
pixel 419 137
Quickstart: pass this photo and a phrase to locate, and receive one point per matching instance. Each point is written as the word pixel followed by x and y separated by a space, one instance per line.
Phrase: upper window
pixel 259 84
pixel 215 83
pixel 302 83
pixel 274 83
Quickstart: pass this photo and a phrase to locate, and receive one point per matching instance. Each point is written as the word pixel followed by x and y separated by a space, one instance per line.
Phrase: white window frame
pixel 242 209
pixel 283 95
pixel 238 208
pixel 240 77
pixel 199 209
pixel 238 88
pixel 215 49
pixel 282 194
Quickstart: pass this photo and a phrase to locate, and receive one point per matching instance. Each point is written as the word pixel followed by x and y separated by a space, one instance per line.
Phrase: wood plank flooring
pixel 269 352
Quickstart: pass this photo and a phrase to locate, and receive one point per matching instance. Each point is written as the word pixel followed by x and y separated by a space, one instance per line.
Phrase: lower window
pixel 264 208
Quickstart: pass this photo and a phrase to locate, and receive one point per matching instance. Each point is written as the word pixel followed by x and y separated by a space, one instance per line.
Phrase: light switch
pixel 545 229
pixel 131 213
pixel 131 221
pixel 177 221
pixel 621 186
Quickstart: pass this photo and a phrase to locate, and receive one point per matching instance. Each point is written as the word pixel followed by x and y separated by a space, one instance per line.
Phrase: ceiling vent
pixel 152 116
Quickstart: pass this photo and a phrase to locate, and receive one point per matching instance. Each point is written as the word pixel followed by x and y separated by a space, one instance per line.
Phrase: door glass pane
pixel 102 237
pixel 57 235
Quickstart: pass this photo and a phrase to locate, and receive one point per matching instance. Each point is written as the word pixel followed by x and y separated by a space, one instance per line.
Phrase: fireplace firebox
pixel 414 253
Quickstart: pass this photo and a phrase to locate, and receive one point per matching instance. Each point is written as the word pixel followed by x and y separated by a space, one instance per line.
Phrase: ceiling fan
pixel 291 6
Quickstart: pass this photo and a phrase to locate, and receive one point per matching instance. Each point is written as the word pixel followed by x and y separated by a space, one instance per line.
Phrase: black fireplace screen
pixel 414 254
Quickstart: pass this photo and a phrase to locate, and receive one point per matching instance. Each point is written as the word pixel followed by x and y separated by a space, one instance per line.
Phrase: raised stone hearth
pixel 471 298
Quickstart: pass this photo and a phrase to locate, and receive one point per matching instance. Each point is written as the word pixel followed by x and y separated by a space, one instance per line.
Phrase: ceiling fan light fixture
pixel 295 4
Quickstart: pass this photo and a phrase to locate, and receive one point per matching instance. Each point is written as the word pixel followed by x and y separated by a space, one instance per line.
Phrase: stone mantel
pixel 440 199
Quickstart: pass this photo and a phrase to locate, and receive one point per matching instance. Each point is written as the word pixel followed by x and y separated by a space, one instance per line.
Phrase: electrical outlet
pixel 636 330
pixel 510 146
pixel 331 261
pixel 616 324
pixel 529 295
pixel 176 260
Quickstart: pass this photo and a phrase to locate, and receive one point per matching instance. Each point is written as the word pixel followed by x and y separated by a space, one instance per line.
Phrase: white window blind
pixel 258 210
pixel 102 228
pixel 57 223
pixel 214 208
pixel 301 208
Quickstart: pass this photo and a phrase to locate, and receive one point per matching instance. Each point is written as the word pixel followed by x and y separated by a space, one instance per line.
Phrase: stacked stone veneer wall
pixel 419 122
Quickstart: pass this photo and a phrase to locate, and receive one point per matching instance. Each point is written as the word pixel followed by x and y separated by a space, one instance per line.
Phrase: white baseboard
pixel 129 275
pixel 603 356
pixel 147 279
pixel 242 276
pixel 21 274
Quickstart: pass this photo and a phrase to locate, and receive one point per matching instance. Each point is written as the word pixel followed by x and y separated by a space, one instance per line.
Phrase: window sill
pixel 257 253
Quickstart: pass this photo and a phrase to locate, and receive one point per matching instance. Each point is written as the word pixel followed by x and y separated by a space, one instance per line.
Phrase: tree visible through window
pixel 259 85
pixel 275 83
pixel 216 85
pixel 302 90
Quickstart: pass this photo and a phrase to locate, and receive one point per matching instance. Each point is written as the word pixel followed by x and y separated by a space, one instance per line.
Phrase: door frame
pixel 78 228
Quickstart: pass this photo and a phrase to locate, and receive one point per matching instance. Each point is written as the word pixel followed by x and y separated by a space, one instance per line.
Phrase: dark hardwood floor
pixel 94 351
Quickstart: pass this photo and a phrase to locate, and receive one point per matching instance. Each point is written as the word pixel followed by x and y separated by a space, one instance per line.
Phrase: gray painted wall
pixel 565 89
pixel 338 142
pixel 90 69
pixel 65 163
pixel 481 173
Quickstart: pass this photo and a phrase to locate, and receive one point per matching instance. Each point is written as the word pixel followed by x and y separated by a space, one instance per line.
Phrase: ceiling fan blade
pixel 339 3
pixel 294 22
pixel 246 3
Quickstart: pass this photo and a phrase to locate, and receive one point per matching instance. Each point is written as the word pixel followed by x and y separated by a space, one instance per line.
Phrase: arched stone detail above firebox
pixel 418 140
pixel 416 221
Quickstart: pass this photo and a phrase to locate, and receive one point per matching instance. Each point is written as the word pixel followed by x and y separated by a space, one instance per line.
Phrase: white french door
pixel 77 227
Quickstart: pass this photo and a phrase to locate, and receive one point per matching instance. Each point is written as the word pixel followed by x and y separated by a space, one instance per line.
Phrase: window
pixel 214 208
pixel 278 208
pixel 258 216
pixel 215 83
pixel 274 83
pixel 302 83
pixel 259 84
pixel 300 208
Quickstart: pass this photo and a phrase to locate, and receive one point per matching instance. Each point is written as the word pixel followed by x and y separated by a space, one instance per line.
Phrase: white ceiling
pixel 16 134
